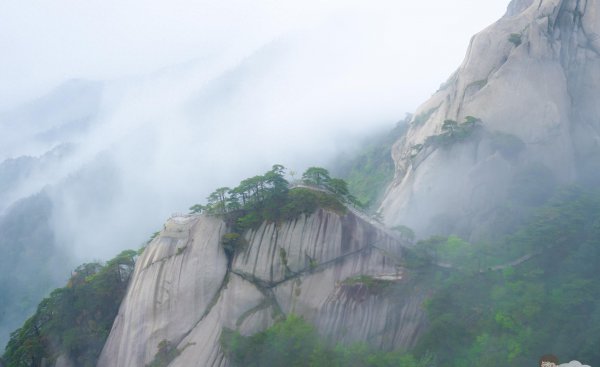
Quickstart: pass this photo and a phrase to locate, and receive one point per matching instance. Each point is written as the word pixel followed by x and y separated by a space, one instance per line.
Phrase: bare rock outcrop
pixel 533 79
pixel 185 290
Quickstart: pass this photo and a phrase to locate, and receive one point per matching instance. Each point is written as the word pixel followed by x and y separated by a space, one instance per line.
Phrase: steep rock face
pixel 183 290
pixel 274 250
pixel 173 287
pixel 533 78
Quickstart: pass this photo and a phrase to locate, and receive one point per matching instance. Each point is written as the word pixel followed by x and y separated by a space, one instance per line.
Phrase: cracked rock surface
pixel 185 291
pixel 533 78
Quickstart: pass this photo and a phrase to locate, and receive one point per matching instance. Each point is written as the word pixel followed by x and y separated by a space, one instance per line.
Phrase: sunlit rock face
pixel 533 79
pixel 185 290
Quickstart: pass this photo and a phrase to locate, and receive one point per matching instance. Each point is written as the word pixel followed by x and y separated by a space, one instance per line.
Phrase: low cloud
pixel 196 95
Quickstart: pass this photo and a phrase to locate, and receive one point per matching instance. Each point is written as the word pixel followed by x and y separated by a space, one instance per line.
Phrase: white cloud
pixel 415 44
pixel 200 94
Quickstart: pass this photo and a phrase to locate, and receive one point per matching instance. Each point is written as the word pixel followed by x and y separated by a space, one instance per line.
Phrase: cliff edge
pixel 185 289
pixel 531 81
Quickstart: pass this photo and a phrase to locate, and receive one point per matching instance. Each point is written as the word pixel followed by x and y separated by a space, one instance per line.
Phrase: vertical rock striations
pixel 184 292
pixel 174 286
pixel 533 79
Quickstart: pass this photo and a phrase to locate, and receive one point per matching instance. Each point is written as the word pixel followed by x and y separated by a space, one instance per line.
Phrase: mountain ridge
pixel 530 78
pixel 298 266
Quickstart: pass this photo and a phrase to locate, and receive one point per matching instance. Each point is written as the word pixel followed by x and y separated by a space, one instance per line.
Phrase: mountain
pixel 114 158
pixel 517 119
pixel 487 157
pixel 323 266
pixel 29 262
pixel 60 116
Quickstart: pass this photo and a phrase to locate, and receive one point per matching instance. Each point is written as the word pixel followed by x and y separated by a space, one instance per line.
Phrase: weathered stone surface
pixel 174 284
pixel 316 239
pixel 183 292
pixel 201 346
pixel 349 311
pixel 533 75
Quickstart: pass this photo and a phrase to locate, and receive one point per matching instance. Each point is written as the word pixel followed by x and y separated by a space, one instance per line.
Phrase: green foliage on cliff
pixel 28 262
pixel 454 132
pixel 516 39
pixel 295 343
pixel 270 198
pixel 74 320
pixel 511 315
pixel 370 170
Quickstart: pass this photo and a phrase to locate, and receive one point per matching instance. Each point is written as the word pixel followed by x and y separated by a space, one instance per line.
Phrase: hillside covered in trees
pixel 505 303
pixel 74 320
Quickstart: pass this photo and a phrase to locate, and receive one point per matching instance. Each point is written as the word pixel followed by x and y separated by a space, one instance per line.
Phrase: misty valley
pixel 465 234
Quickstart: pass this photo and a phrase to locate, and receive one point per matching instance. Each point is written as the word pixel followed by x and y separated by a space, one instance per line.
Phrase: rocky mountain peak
pixel 185 292
pixel 532 80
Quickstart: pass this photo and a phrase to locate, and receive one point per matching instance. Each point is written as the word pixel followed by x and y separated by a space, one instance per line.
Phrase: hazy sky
pixel 201 94
pixel 400 50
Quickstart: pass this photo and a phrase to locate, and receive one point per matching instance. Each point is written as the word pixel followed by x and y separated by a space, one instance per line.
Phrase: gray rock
pixel 533 76
pixel 174 285
pixel 183 292
pixel 517 6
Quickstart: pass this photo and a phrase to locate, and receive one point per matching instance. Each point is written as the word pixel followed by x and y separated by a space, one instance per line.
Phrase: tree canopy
pixel 74 320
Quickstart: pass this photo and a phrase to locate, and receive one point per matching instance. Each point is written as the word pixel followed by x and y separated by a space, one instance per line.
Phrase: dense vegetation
pixel 511 315
pixel 73 321
pixel 501 303
pixel 295 343
pixel 29 262
pixel 370 170
pixel 271 198
pixel 267 197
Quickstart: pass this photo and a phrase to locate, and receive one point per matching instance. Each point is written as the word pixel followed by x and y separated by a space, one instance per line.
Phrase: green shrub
pixel 452 132
pixel 295 343
pixel 515 39
pixel 306 201
pixel 250 220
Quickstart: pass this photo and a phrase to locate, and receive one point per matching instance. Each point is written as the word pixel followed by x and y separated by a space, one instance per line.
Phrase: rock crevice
pixel 258 286
pixel 541 68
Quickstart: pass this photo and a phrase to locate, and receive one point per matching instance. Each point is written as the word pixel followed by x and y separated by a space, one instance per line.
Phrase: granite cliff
pixel 185 289
pixel 532 79
pixel 517 119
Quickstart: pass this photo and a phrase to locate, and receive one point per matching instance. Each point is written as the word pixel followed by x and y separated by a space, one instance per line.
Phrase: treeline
pixel 270 197
pixel 73 321
pixel 259 191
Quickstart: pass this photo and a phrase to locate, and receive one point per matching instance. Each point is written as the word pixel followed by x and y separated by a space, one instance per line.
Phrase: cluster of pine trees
pixel 261 190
